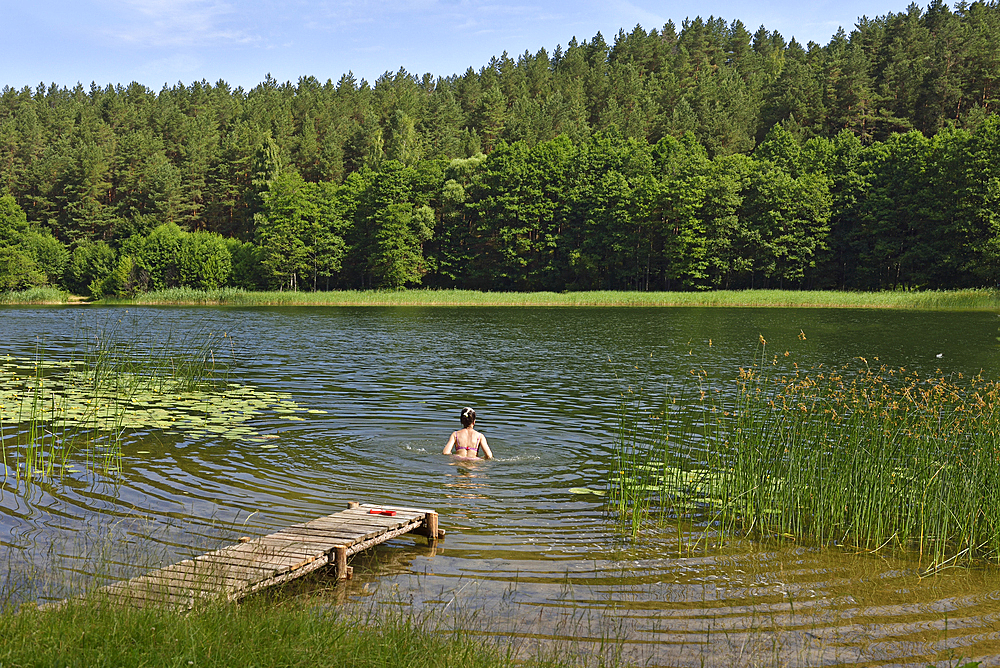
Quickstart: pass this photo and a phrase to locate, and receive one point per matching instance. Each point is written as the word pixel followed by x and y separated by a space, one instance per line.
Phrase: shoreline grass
pixel 959 300
pixel 255 633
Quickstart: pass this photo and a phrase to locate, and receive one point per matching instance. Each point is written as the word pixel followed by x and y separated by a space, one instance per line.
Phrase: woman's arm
pixel 486 448
pixel 449 445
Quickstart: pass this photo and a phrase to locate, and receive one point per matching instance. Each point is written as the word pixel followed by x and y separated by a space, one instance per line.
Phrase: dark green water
pixel 524 557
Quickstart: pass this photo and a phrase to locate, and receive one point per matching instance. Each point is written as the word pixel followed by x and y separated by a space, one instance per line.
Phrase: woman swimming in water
pixel 467 441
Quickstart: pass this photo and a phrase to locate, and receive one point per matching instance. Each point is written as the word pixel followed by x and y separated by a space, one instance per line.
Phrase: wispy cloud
pixel 171 69
pixel 178 23
pixel 461 15
pixel 629 14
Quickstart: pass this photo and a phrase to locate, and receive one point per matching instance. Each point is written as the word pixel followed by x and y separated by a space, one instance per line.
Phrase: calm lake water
pixel 524 557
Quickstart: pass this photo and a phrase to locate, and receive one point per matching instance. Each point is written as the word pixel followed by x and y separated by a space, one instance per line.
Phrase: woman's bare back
pixel 466 442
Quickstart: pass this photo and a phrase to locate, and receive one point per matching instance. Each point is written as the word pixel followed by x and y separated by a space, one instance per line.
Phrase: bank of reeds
pixel 35 296
pixel 862 456
pixel 255 633
pixel 930 300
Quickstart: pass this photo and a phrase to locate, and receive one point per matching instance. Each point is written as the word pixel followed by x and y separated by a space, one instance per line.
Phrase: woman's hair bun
pixel 468 416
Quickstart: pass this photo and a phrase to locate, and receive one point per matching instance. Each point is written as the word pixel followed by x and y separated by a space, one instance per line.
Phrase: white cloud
pixel 178 23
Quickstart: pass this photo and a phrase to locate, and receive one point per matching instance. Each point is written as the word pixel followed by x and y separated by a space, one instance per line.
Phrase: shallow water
pixel 524 558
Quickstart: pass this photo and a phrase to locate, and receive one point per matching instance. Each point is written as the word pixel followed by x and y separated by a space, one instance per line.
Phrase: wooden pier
pixel 236 571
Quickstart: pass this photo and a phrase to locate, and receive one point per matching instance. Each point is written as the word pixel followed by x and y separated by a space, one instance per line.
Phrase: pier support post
pixel 340 561
pixel 429 527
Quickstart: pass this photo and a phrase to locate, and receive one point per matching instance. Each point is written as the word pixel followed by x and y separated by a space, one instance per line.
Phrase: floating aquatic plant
pixel 52 411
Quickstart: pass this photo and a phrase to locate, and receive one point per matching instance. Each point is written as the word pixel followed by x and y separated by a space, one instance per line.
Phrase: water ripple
pixel 525 560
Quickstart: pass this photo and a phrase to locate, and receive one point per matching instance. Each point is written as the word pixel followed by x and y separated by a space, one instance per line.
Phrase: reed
pixel 866 457
pixel 928 300
pixel 35 296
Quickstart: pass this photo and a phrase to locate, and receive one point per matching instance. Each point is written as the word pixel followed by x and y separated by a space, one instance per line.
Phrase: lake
pixel 379 391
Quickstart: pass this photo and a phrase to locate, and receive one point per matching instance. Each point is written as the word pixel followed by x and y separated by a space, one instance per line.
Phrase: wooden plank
pixel 223 571
pixel 363 525
pixel 374 521
pixel 359 523
pixel 367 513
pixel 310 542
pixel 281 544
pixel 355 535
pixel 372 542
pixel 399 509
pixel 255 552
pixel 273 562
pixel 342 531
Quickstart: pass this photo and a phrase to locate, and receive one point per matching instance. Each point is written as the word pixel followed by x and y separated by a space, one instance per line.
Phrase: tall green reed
pixel 35 296
pixel 957 300
pixel 865 457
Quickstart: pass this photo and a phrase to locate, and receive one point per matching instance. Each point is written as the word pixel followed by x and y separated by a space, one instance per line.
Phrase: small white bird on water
pixel 940 355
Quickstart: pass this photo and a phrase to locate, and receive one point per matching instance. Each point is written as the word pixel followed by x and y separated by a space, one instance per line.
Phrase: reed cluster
pixel 929 300
pixel 862 456
pixel 35 296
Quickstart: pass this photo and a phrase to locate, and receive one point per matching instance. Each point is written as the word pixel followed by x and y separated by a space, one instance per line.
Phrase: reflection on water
pixel 525 560
pixel 470 480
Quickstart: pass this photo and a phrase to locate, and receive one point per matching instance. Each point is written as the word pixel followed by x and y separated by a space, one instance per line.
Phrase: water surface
pixel 524 557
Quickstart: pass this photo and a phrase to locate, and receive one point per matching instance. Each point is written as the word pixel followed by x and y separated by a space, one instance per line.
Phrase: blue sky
pixel 157 42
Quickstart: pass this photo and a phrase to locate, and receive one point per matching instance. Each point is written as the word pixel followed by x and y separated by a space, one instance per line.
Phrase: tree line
pixel 688 158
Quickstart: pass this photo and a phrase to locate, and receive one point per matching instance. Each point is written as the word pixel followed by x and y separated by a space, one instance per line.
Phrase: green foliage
pixel 870 458
pixel 693 157
pixel 90 263
pixel 299 231
pixel 204 261
pixel 247 265
pixel 159 255
pixel 122 281
pixel 19 271
pixel 13 222
pixel 51 256
pixel 389 231
pixel 34 296
pixel 962 300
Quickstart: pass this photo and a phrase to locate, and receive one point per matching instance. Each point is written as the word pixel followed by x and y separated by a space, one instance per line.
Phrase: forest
pixel 680 158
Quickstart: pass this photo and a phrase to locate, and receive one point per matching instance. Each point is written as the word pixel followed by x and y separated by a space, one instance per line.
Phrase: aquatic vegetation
pixel 862 456
pixel 949 300
pixel 35 296
pixel 54 412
